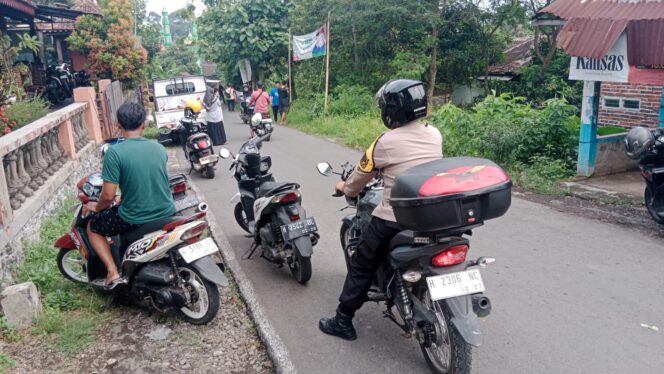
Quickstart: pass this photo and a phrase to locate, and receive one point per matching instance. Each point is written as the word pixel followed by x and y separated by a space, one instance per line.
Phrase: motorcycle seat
pixel 152 226
pixel 402 238
pixel 269 188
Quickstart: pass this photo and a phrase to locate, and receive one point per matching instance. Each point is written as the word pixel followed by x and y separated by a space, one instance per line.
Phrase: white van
pixel 170 96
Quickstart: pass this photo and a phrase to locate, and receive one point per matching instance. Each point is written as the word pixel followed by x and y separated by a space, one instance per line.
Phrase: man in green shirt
pixel 138 167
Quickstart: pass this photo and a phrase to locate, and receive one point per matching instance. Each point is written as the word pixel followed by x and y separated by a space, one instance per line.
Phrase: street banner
pixel 310 45
pixel 245 70
pixel 611 68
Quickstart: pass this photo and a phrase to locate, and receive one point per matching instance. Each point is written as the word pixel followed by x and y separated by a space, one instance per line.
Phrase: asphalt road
pixel 569 294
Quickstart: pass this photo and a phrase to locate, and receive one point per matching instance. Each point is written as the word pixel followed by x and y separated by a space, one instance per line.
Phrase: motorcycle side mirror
pixel 224 153
pixel 324 168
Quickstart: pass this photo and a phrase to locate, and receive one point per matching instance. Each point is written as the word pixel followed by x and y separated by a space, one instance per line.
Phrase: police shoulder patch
pixel 367 162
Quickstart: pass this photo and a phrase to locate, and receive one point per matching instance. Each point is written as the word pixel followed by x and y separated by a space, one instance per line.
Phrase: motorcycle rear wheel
pixel 207 303
pixel 209 172
pixel 241 217
pixel 300 267
pixel 648 198
pixel 450 353
pixel 72 265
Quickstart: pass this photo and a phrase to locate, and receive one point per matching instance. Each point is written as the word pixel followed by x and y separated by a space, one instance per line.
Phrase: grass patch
pixel 71 311
pixel 6 362
pixel 610 130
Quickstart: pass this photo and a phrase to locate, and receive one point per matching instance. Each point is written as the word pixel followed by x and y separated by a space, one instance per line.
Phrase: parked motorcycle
pixel 82 79
pixel 198 146
pixel 261 125
pixel 271 212
pixel 438 294
pixel 647 147
pixel 165 261
pixel 56 89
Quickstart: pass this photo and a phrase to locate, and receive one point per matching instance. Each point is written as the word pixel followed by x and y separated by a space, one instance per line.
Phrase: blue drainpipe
pixel 661 110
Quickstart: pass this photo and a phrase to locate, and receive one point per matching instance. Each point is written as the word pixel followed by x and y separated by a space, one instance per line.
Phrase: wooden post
pixel 327 63
pixel 290 78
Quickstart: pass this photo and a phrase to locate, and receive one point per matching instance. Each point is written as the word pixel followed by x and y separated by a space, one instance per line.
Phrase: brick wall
pixel 647 115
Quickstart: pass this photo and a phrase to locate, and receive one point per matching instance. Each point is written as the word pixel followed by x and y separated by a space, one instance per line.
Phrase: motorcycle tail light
pixel 179 188
pixel 450 256
pixel 191 235
pixel 202 144
pixel 286 198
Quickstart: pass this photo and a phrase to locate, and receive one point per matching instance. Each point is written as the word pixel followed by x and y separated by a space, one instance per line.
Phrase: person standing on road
pixel 274 94
pixel 283 102
pixel 232 96
pixel 214 117
pixel 408 143
pixel 262 100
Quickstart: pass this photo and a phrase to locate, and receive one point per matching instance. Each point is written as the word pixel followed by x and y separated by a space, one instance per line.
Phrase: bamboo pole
pixel 327 62
pixel 290 78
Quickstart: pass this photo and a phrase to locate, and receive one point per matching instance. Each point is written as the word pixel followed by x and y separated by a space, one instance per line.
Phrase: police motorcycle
pixel 167 262
pixel 647 147
pixel 438 293
pixel 197 144
pixel 271 212
pixel 261 125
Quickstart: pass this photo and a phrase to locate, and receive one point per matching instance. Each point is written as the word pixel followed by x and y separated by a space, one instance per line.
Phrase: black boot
pixel 340 326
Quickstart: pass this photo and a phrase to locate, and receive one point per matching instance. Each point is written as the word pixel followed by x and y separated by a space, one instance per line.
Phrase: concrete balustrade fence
pixel 41 163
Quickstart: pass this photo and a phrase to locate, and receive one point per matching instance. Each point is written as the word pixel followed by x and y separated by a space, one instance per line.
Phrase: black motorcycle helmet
pixel 401 101
pixel 637 142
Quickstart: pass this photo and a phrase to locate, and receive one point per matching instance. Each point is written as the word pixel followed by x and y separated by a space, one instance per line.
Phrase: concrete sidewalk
pixel 623 188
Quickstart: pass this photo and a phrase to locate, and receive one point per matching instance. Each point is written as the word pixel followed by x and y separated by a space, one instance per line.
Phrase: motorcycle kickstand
pixel 109 302
pixel 251 251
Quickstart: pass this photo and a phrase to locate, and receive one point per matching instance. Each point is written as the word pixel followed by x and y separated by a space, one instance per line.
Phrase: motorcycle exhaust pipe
pixel 481 305
pixel 202 207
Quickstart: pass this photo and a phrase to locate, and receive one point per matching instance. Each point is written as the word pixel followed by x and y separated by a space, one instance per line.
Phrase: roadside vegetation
pixel 537 146
pixel 70 316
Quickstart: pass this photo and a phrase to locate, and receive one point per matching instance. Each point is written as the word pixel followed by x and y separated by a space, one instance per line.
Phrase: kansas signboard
pixel 611 68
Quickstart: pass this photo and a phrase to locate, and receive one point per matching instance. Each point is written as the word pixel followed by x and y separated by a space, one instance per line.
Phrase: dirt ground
pixel 135 340
pixel 625 213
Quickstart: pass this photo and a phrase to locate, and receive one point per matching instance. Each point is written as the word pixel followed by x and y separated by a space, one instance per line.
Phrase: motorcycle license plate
pixel 455 284
pixel 300 228
pixel 207 159
pixel 198 250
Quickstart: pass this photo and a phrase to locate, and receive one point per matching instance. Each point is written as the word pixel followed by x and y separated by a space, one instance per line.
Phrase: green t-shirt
pixel 138 167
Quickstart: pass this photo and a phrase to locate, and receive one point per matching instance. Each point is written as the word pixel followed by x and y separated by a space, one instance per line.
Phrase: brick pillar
pixel 66 137
pixel 588 132
pixel 88 95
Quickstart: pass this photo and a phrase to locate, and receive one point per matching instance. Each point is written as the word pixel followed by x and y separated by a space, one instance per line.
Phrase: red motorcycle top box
pixel 450 193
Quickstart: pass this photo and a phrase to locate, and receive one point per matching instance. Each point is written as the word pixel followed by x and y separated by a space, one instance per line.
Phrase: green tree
pixel 174 61
pixel 232 30
pixel 110 43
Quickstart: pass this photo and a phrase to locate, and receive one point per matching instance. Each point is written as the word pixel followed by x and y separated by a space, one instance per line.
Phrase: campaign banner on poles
pixel 613 67
pixel 310 45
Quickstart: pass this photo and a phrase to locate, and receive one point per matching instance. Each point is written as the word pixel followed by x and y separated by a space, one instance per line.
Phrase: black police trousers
pixel 372 248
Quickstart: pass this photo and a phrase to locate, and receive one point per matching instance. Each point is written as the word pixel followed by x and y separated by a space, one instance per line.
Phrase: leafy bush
pixel 508 131
pixel 26 111
pixel 541 175
pixel 151 133
pixel 350 101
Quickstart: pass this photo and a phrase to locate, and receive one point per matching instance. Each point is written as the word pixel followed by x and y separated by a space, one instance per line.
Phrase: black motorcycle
pixel 437 293
pixel 246 111
pixel 271 212
pixel 56 85
pixel 82 79
pixel 647 147
pixel 197 145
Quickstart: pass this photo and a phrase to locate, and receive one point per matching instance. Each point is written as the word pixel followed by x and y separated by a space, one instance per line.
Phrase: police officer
pixel 408 143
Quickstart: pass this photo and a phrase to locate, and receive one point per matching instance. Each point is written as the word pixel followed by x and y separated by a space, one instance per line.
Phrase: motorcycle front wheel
pixel 72 265
pixel 447 352
pixel 241 217
pixel 204 297
pixel 650 201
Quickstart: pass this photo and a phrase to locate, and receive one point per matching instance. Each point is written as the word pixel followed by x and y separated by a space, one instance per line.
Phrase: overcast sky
pixel 171 5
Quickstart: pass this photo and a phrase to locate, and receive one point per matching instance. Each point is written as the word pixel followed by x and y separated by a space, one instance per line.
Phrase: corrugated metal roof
pixel 518 55
pixel 593 26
